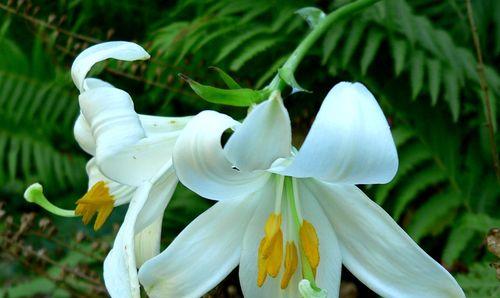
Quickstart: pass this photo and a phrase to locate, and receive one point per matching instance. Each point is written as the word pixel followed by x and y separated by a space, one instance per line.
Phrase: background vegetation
pixel 417 57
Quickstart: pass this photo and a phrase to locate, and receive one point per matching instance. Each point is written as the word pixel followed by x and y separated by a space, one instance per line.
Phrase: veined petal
pixel 123 152
pixel 248 269
pixel 377 250
pixel 349 142
pixel 205 252
pixel 147 242
pixel 264 136
pixel 201 164
pixel 120 273
pixel 120 50
pixel 330 264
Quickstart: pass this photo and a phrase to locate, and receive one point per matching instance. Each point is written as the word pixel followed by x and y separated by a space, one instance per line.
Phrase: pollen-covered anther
pixel 310 244
pixel 291 263
pixel 270 249
pixel 97 200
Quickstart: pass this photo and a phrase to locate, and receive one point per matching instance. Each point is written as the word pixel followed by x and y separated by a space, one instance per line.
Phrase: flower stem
pixel 296 57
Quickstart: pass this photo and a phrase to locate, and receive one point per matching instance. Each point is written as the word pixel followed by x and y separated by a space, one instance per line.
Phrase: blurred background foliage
pixel 417 57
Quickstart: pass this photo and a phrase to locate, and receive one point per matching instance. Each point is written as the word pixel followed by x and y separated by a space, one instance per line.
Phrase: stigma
pixel 97 200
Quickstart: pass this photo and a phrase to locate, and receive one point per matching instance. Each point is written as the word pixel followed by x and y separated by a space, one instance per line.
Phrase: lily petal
pixel 201 164
pixel 120 273
pixel 330 265
pixel 349 142
pixel 83 135
pixel 264 136
pixel 248 269
pixel 123 152
pixel 205 252
pixel 147 242
pixel 120 50
pixel 377 250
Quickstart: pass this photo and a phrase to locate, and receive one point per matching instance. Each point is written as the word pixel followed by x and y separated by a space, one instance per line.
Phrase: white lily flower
pixel 291 220
pixel 131 163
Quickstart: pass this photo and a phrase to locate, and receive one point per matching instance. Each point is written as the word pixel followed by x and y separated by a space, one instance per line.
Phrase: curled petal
pixel 264 136
pixel 376 250
pixel 201 163
pixel 120 50
pixel 147 242
pixel 349 142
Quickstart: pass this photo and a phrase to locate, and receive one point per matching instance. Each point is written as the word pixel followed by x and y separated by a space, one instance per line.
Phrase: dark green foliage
pixel 416 57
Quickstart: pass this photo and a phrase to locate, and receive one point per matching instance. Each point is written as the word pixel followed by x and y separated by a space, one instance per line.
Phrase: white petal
pixel 83 135
pixel 248 263
pixel 123 152
pixel 201 164
pixel 377 250
pixel 120 50
pixel 121 193
pixel 205 252
pixel 120 273
pixel 264 136
pixel 349 142
pixel 147 242
pixel 159 197
pixel 330 265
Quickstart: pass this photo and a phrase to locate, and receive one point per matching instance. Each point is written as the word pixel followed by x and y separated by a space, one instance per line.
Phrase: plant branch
pixel 484 87
pixel 299 53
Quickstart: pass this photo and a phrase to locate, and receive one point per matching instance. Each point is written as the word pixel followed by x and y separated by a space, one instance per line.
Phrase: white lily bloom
pixel 291 220
pixel 132 163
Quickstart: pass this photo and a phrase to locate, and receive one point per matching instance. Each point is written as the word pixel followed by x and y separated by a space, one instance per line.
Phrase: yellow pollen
pixel 310 244
pixel 270 249
pixel 291 263
pixel 96 200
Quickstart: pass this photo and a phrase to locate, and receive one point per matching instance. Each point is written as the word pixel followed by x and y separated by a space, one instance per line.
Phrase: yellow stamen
pixel 310 244
pixel 270 249
pixel 96 200
pixel 291 263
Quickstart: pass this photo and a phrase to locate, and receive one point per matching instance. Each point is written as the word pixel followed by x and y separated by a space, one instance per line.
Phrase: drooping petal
pixel 120 273
pixel 201 164
pixel 248 270
pixel 377 250
pixel 163 188
pixel 83 135
pixel 264 136
pixel 205 252
pixel 330 264
pixel 147 242
pixel 349 142
pixel 123 152
pixel 120 50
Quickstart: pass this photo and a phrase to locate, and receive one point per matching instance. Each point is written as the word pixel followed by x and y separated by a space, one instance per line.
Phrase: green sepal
pixel 312 15
pixel 242 97
pixel 230 82
pixel 287 76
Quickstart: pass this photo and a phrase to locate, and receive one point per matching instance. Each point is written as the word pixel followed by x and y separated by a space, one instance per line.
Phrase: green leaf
pixel 230 82
pixel 251 51
pixel 399 49
pixel 243 97
pixel 331 40
pixel 312 15
pixel 352 42
pixel 417 73
pixel 371 48
pixel 452 93
pixel 434 74
pixel 289 78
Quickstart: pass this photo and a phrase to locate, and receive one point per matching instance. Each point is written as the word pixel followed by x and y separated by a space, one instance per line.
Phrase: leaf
pixel 289 78
pixel 434 74
pixel 452 93
pixel 372 45
pixel 312 15
pixel 352 42
pixel 230 82
pixel 331 40
pixel 417 73
pixel 233 97
pixel 251 51
pixel 399 54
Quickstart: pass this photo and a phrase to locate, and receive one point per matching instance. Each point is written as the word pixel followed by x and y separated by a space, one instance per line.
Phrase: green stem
pixel 296 57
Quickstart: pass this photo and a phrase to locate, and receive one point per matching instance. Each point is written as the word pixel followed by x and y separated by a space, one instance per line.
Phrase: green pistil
pixel 34 194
